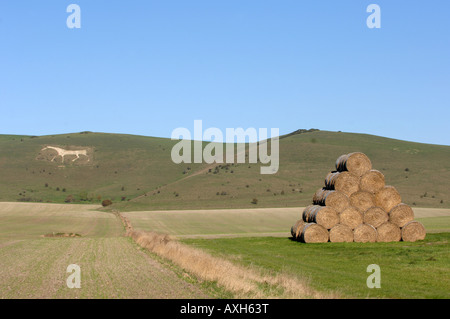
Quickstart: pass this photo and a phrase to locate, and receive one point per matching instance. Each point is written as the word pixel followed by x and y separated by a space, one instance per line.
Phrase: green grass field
pixel 408 270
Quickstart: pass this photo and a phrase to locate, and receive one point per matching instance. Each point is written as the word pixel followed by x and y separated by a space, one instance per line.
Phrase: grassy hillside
pixel 420 172
pixel 121 167
pixel 137 173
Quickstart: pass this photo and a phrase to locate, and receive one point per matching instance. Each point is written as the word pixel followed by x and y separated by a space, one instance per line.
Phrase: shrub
pixel 106 202
pixel 46 185
pixel 69 199
pixel 83 196
pixel 254 201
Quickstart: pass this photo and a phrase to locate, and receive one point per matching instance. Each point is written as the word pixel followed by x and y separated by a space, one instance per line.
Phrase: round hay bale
pixel 314 233
pixel 413 231
pixel 296 228
pixel 318 195
pixel 362 200
pixel 401 214
pixel 387 198
pixel 372 181
pixel 341 234
pixel 322 215
pixel 330 180
pixel 308 209
pixel 364 233
pixel 345 182
pixel 356 163
pixel 375 216
pixel 351 217
pixel 388 232
pixel 336 199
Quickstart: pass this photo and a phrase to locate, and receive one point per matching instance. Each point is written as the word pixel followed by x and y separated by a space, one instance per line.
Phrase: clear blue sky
pixel 148 67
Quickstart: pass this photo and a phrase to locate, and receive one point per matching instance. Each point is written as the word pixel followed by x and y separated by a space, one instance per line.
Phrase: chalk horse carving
pixel 62 152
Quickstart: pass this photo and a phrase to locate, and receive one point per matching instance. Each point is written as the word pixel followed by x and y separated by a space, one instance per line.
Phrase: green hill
pixel 137 172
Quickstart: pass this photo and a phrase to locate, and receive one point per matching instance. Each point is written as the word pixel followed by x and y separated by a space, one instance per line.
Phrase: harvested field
pixel 257 222
pixel 112 266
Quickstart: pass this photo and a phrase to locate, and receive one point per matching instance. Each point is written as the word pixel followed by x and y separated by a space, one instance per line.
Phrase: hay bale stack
pixel 388 232
pixel 372 181
pixel 345 182
pixel 375 216
pixel 413 231
pixel 356 205
pixel 387 198
pixel 321 215
pixel 341 234
pixel 351 217
pixel 365 234
pixel 335 199
pixel 356 163
pixel 314 233
pixel 296 228
pixel 401 214
pixel 362 200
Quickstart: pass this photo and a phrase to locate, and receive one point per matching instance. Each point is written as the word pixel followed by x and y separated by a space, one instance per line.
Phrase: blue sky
pixel 148 67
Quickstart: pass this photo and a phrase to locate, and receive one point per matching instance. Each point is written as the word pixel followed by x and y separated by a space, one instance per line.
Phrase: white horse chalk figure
pixel 62 152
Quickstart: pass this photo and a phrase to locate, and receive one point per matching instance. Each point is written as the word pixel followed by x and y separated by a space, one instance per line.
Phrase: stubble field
pixel 112 265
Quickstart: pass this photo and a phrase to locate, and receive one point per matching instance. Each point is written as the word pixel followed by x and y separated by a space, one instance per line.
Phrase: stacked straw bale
pixel 355 205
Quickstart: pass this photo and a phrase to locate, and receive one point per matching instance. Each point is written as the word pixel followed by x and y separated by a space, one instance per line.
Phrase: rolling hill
pixel 137 173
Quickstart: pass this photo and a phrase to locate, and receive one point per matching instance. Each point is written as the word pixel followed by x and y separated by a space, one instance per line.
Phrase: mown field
pixel 112 265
